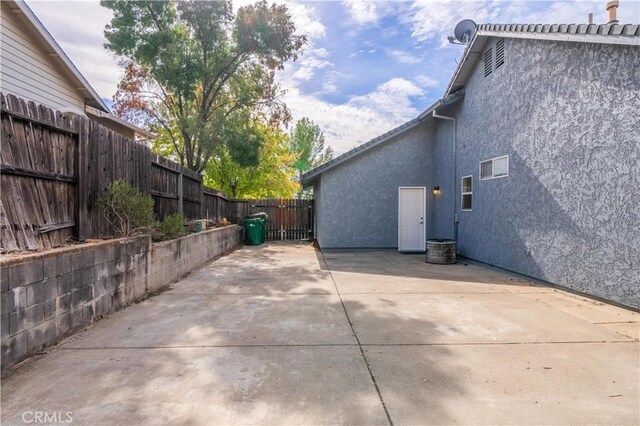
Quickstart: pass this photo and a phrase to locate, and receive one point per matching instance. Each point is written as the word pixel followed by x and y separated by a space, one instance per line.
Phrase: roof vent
pixel 612 8
pixel 499 52
pixel 488 62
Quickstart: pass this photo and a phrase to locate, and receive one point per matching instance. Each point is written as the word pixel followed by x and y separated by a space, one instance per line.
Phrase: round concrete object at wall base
pixel 441 252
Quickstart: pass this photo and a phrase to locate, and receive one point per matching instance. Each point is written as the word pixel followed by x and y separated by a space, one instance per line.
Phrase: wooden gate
pixel 287 219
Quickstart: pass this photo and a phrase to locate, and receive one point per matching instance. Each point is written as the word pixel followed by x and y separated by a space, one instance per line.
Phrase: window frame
pixel 493 168
pixel 462 193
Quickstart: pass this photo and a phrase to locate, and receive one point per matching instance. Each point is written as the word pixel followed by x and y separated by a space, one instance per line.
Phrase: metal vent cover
pixel 488 59
pixel 499 53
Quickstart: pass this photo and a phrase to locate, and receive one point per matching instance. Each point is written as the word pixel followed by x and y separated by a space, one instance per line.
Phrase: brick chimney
pixel 612 8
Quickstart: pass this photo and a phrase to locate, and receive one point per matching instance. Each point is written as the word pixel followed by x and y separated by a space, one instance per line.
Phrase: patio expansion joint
pixel 248 294
pixel 355 335
pixel 267 345
pixel 330 345
pixel 568 342
pixel 441 294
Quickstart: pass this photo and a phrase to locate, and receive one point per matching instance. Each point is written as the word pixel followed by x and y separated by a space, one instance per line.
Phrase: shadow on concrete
pixel 275 352
pixel 390 263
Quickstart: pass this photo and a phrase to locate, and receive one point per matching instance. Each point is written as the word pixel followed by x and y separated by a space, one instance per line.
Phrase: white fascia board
pixel 580 38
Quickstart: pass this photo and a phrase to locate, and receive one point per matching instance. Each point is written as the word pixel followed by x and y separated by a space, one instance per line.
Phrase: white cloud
pixel 306 67
pixel 321 52
pixel 437 19
pixel 426 81
pixel 362 11
pixel 362 117
pixel 331 79
pixel 303 73
pixel 305 19
pixel 404 57
pixel 391 99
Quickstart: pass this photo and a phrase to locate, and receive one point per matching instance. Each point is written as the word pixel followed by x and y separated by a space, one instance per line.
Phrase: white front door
pixel 411 225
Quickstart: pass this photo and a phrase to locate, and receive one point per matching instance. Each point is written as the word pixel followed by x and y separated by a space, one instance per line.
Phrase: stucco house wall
pixel 568 213
pixel 357 201
pixel 317 207
pixel 441 222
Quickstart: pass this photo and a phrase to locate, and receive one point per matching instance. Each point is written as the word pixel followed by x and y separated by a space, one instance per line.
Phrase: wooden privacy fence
pixel 39 166
pixel 287 219
pixel 55 166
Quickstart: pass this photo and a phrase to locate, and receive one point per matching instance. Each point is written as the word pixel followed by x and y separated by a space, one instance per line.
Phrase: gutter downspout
pixel 453 193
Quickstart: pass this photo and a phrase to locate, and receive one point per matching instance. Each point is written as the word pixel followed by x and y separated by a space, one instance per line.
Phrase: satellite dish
pixel 465 30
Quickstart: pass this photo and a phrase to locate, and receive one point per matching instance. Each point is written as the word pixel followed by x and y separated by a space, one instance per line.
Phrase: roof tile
pixel 603 29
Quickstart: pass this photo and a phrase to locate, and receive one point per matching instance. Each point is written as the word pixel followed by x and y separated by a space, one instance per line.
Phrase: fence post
pixel 202 207
pixel 180 189
pixel 280 210
pixel 83 228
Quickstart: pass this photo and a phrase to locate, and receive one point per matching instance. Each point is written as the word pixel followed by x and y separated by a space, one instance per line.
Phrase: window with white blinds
pixel 494 168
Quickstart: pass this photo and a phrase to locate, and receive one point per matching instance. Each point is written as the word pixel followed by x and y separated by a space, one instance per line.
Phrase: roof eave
pixel 311 176
pixel 111 117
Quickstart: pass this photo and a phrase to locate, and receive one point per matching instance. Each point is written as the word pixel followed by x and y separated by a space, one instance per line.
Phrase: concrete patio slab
pixel 187 320
pixel 509 384
pixel 465 318
pixel 262 337
pixel 213 386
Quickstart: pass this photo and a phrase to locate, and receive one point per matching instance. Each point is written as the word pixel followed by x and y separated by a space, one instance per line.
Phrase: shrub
pixel 127 210
pixel 171 227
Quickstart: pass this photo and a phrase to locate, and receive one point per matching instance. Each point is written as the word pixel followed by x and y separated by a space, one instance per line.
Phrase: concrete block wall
pixel 173 259
pixel 48 295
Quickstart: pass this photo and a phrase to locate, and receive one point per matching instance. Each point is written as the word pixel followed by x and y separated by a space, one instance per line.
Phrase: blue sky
pixel 369 66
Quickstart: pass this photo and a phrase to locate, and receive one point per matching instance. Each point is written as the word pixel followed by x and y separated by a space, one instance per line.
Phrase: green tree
pixel 273 177
pixel 307 140
pixel 199 74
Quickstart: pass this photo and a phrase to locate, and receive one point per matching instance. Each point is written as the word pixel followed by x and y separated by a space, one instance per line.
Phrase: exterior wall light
pixel 436 190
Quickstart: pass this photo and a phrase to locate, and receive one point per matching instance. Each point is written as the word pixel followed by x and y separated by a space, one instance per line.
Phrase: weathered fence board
pixel 288 219
pixel 214 205
pixel 39 177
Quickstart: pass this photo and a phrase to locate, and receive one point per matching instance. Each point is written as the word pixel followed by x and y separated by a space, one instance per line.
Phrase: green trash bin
pixel 254 231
